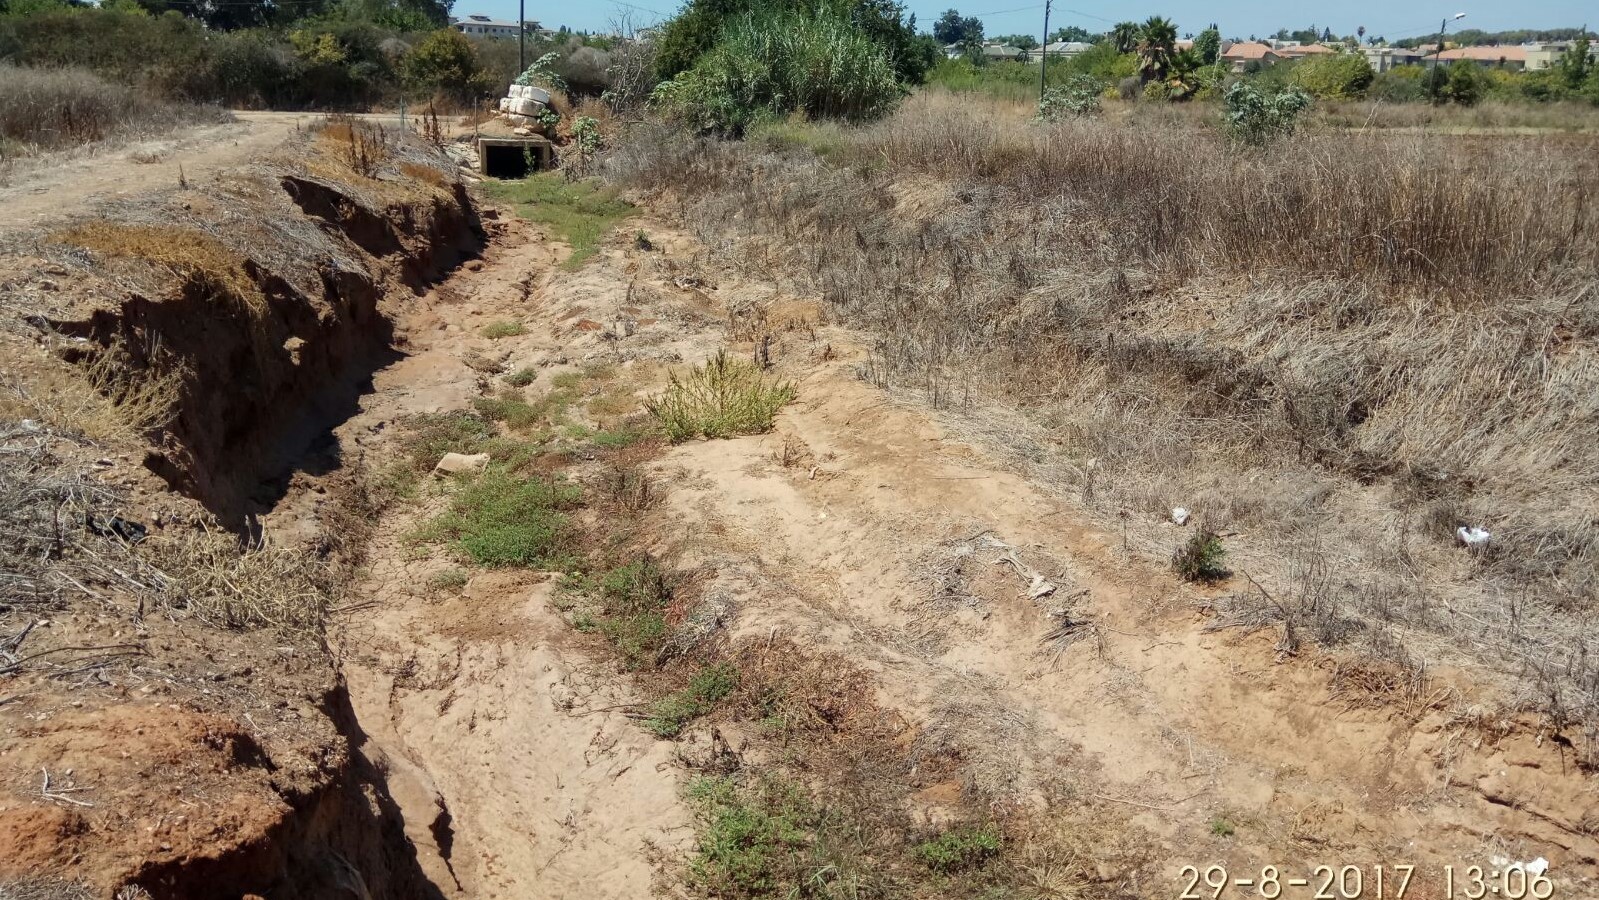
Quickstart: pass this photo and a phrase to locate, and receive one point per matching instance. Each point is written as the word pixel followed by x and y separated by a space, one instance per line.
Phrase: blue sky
pixel 1237 17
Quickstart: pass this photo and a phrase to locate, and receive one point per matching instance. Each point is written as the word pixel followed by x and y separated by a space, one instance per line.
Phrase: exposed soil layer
pixel 207 758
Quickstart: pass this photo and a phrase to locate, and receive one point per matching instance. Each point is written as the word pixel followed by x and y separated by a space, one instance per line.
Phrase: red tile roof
pixel 1248 50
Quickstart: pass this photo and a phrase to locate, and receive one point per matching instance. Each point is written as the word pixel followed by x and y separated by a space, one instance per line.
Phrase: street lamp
pixel 1438 55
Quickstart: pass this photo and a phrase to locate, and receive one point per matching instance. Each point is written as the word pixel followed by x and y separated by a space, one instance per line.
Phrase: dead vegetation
pixel 1344 350
pixel 47 109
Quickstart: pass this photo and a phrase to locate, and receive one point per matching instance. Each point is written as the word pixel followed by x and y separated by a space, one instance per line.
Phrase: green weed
pixel 751 837
pixel 578 212
pixel 632 601
pixel 431 435
pixel 723 398
pixel 503 329
pixel 449 579
pixel 1220 827
pixel 1201 558
pixel 960 848
pixel 669 714
pixel 503 520
pixel 522 377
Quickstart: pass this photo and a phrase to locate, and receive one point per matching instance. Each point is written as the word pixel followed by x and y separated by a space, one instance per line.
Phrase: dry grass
pixel 189 252
pixel 1342 348
pixel 213 579
pixel 54 108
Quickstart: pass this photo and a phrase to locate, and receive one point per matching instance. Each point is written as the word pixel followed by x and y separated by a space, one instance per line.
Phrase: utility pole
pixel 1043 49
pixel 1437 59
pixel 521 37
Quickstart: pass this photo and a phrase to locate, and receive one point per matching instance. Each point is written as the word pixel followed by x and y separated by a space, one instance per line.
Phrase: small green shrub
pixel 1078 97
pixel 522 377
pixel 1255 117
pixel 723 398
pixel 503 329
pixel 449 579
pixel 669 714
pixel 502 520
pixel 962 847
pixel 1201 557
pixel 510 408
pixel 632 601
pixel 1220 827
pixel 752 837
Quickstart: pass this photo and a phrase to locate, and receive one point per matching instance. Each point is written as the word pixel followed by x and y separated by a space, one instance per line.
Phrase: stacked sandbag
pixel 525 101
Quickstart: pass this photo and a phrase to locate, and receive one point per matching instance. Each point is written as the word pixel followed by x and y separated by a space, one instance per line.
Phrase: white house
pixel 483 26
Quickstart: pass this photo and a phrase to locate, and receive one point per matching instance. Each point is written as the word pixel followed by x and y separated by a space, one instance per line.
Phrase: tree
pixel 1208 45
pixel 1124 35
pixel 695 30
pixel 952 29
pixel 1074 34
pixel 1019 41
pixel 1336 76
pixel 443 63
pixel 1157 41
pixel 1574 63
pixel 1254 117
pixel 1464 85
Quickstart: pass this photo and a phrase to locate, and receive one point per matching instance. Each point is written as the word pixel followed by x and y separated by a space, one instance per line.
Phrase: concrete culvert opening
pixel 512 157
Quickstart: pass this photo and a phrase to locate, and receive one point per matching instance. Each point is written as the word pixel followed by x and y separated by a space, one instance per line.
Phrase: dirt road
pixel 69 184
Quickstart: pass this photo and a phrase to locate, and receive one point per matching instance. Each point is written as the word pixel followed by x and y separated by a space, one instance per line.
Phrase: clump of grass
pixel 961 848
pixel 632 601
pixel 1221 827
pixel 187 251
pixel 578 212
pixel 503 520
pixel 503 329
pixel 1201 557
pixel 451 579
pixel 669 714
pixel 723 398
pixel 753 838
pixel 216 581
pixel 431 435
pixel 618 439
pixel 509 407
pixel 522 377
pixel 64 107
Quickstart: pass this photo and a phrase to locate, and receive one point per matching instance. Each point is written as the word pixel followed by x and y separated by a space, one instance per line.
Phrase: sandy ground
pixel 1073 677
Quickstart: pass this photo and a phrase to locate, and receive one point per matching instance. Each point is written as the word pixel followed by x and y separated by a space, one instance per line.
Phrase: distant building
pixel 1503 57
pixel 1300 51
pixel 1059 50
pixel 1240 55
pixel 1383 59
pixel 1548 54
pixel 483 26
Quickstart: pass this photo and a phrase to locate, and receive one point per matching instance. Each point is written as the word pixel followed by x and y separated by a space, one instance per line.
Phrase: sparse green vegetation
pixel 960 848
pixel 1201 557
pixel 503 520
pixel 580 212
pixel 1221 827
pixel 522 377
pixel 755 838
pixel 629 608
pixel 503 329
pixel 431 435
pixel 452 579
pixel 511 408
pixel 723 398
pixel 669 714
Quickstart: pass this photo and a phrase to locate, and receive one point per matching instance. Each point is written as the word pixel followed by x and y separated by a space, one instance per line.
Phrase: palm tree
pixel 1157 41
pixel 1125 36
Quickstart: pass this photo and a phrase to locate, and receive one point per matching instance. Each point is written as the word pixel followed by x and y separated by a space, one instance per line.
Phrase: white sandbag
pixel 505 104
pixel 536 93
pixel 526 107
pixel 515 119
pixel 516 92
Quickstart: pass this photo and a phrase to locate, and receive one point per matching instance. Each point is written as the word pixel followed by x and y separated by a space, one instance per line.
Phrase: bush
pixel 1334 76
pixel 723 398
pixel 1078 97
pixel 444 63
pixel 1401 84
pixel 1201 557
pixel 65 107
pixel 777 62
pixel 1255 117
pixel 632 613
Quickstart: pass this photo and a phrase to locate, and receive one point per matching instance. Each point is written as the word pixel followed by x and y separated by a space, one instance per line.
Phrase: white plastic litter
pixel 1179 515
pixel 1472 536
pixel 458 463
